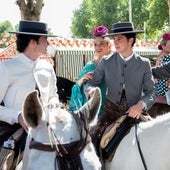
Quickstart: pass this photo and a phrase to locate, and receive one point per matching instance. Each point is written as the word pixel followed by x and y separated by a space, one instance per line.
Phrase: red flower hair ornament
pixel 100 31
pixel 165 37
pixel 160 47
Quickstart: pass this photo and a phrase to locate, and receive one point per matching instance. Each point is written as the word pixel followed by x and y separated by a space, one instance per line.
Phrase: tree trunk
pixel 30 9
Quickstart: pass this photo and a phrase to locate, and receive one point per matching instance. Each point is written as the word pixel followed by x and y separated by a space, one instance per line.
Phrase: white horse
pixel 51 128
pixel 154 141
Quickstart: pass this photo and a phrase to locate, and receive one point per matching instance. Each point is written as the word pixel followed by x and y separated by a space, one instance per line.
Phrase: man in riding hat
pixel 128 79
pixel 25 73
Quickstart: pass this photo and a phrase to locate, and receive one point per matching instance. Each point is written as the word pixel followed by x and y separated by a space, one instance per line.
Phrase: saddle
pixel 115 132
pixel 111 131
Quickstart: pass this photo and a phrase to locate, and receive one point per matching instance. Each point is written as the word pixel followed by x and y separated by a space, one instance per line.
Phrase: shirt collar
pixel 108 55
pixel 27 59
pixel 127 58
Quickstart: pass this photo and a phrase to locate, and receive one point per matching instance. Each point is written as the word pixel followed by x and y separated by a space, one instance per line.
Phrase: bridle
pixel 64 151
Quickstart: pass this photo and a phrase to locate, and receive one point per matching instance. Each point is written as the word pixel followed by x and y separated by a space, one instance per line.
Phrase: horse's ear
pixel 32 111
pixel 92 107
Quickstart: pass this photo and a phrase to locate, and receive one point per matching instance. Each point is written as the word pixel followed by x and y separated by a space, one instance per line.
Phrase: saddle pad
pixel 111 131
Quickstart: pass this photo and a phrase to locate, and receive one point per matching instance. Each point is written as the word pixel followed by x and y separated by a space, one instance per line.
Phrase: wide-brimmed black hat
pixel 32 28
pixel 124 28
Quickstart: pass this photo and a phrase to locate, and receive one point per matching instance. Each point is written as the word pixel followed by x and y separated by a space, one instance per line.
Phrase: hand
pixel 22 122
pixel 85 78
pixel 135 110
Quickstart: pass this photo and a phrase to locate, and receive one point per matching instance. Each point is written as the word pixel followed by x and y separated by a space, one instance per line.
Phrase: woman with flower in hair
pixel 163 58
pixel 102 48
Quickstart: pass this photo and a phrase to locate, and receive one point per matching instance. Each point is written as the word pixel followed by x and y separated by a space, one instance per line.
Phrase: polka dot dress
pixel 161 87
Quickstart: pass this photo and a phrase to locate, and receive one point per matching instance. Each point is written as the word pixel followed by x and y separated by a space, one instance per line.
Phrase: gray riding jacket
pixel 134 76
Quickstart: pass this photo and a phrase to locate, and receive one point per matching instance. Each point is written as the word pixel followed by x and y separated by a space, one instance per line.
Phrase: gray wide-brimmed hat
pixel 123 28
pixel 32 28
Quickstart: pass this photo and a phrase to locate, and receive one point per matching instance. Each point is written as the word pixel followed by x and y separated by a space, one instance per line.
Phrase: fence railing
pixel 69 63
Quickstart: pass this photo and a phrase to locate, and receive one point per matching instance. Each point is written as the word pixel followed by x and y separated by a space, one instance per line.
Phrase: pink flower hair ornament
pixel 166 36
pixel 100 31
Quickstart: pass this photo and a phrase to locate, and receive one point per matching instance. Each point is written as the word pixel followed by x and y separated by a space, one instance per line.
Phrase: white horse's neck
pixel 154 137
pixel 160 122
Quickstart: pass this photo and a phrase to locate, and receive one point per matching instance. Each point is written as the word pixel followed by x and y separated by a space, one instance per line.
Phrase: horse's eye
pixel 50 106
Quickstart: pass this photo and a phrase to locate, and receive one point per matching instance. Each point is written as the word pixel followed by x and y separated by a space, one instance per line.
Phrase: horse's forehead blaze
pixel 59 116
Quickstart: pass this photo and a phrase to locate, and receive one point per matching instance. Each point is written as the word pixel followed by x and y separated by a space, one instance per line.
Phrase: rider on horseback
pixel 129 82
pixel 24 73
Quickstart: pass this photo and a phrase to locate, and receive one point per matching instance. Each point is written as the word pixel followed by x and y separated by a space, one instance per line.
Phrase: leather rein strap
pixel 64 149
pixel 70 149
pixel 139 148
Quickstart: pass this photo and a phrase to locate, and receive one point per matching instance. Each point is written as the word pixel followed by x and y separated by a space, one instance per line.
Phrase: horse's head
pixel 54 128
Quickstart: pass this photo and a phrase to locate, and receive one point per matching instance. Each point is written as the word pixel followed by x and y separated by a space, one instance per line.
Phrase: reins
pixel 139 148
pixel 51 148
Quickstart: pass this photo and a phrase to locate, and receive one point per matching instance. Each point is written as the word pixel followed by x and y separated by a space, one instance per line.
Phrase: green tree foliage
pixel 154 13
pixel 4 28
pixel 106 12
pixel 92 13
pixel 140 13
pixel 158 21
pixel 81 20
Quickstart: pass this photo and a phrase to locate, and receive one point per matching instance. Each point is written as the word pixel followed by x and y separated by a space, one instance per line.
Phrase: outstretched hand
pixel 85 78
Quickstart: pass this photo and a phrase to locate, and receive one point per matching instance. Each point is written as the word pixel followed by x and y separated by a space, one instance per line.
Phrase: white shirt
pixel 18 78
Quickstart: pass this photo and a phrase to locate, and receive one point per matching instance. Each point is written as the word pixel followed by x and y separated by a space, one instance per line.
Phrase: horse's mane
pixel 64 86
pixel 155 121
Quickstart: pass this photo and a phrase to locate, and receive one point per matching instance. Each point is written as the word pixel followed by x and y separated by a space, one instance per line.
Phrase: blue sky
pixel 57 13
